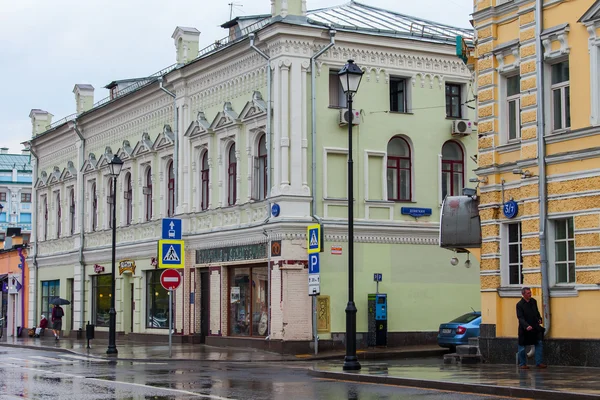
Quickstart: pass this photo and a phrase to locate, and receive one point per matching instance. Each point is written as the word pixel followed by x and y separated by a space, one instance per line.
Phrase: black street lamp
pixel 115 166
pixel 350 77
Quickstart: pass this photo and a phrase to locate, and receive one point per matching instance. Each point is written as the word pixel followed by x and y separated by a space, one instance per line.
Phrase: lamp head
pixel 350 77
pixel 454 261
pixel 115 166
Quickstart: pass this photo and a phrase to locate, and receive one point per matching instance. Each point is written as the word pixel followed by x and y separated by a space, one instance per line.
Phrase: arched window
pixel 170 190
pixel 58 216
pixel 72 211
pixel 204 180
pixel 110 203
pixel 399 170
pixel 45 217
pixel 148 194
pixel 231 175
pixel 452 169
pixel 128 195
pixel 260 170
pixel 94 208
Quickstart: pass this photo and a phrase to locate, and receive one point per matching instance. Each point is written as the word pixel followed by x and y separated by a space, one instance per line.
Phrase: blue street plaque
pixel 510 209
pixel 416 211
pixel 275 210
pixel 171 228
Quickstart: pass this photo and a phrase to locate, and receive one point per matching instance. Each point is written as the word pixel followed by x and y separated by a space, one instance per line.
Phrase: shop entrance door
pixel 204 305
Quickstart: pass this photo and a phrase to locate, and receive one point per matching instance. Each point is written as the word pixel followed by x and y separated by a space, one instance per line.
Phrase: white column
pixel 285 65
pixel 276 132
pixel 304 104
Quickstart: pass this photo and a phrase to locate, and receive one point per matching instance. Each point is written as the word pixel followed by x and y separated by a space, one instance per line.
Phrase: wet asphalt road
pixel 52 375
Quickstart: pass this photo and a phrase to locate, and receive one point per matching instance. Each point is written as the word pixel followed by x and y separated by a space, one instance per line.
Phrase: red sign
pixel 170 279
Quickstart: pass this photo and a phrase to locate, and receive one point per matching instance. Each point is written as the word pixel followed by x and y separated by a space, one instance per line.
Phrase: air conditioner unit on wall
pixel 344 117
pixel 462 128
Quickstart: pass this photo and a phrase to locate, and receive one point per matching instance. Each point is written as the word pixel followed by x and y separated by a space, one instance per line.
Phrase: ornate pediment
pixel 144 146
pixel 591 15
pixel 68 173
pixel 90 164
pixel 105 158
pixel 54 176
pixel 199 127
pixel 225 118
pixel 558 34
pixel 256 107
pixel 126 151
pixel 165 139
pixel 41 181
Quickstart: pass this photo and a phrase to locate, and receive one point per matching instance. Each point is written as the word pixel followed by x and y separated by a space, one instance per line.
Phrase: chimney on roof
pixel 84 97
pixel 186 44
pixel 3 150
pixel 40 120
pixel 288 7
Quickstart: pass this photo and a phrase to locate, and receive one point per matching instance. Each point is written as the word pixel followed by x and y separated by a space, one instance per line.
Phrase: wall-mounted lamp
pixel 468 262
pixel 454 261
pixel 479 180
pixel 524 174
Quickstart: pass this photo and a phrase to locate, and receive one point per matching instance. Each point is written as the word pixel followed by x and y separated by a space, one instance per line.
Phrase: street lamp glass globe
pixel 350 77
pixel 115 165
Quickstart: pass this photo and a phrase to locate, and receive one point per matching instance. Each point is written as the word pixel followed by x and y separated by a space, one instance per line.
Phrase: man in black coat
pixel 531 332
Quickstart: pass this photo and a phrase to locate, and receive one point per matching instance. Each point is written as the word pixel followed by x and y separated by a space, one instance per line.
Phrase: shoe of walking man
pixel 57 314
pixel 531 331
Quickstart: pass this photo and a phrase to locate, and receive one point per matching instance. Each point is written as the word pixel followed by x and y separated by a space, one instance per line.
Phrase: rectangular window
pixel 561 96
pixel 25 197
pixel 453 100
pixel 564 250
pixel 515 259
pixel 157 302
pixel 50 289
pixel 513 99
pixel 101 296
pixel 2 196
pixel 337 97
pixel 248 291
pixel 398 101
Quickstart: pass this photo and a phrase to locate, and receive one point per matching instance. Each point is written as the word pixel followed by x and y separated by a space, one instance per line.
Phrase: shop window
pixel 170 190
pixel 101 294
pixel 337 97
pixel 398 95
pixel 248 305
pixel 398 170
pixel 157 302
pixel 452 169
pixel 260 170
pixel 204 180
pixel 147 191
pixel 453 100
pixel 564 250
pixel 25 197
pixel 72 211
pixel 515 258
pixel 128 196
pixel 50 289
pixel 561 97
pixel 58 216
pixel 3 196
pixel 94 207
pixel 513 105
pixel 231 176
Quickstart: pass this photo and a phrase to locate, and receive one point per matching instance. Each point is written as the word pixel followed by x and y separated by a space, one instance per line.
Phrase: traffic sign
pixel 170 279
pixel 171 253
pixel 313 234
pixel 313 263
pixel 171 228
pixel 377 277
pixel 314 284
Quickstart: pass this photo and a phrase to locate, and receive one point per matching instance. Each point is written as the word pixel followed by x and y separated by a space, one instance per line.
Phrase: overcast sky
pixel 46 47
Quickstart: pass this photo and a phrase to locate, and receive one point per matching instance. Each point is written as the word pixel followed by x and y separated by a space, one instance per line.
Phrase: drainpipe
pixel 539 25
pixel 252 37
pixel 81 226
pixel 34 230
pixel 22 260
pixel 176 143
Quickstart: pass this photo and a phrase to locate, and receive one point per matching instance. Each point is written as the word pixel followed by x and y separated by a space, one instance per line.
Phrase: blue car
pixel 459 330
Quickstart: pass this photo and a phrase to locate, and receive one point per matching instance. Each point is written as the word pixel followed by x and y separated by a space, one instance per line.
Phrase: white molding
pixel 382 154
pixel 332 150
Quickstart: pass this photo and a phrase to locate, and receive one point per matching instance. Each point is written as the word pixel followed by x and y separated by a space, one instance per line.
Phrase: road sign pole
pixel 170 319
pixel 314 318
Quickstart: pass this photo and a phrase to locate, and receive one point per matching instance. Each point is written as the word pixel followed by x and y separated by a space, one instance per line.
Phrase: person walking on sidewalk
pixel 531 331
pixel 57 314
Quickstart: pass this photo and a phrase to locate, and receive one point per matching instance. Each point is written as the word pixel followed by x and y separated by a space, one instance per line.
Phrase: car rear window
pixel 465 319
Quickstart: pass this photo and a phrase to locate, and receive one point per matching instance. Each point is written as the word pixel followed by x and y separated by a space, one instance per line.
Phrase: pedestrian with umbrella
pixel 57 314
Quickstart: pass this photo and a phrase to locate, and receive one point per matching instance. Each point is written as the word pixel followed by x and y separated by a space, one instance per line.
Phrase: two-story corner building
pixel 538 105
pixel 14 292
pixel 15 192
pixel 246 142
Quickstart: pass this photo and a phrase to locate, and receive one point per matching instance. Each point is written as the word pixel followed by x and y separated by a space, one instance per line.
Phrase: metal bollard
pixel 89 333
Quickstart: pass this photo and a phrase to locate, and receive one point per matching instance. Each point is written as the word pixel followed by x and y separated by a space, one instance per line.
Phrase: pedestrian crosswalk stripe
pixel 51 359
pixel 85 358
pixel 171 255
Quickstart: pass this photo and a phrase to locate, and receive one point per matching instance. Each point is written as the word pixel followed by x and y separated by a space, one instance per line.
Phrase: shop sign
pixel 98 268
pixel 276 248
pixel 233 253
pixel 336 250
pixel 126 266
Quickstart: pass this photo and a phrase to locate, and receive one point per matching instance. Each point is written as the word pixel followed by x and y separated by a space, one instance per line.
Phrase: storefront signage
pixel 276 248
pixel 98 269
pixel 126 266
pixel 234 253
pixel 416 211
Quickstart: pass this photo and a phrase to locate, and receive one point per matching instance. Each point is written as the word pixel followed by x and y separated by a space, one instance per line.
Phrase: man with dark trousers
pixel 531 331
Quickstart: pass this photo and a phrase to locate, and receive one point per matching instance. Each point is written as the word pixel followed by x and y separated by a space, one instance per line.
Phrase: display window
pixel 157 302
pixel 248 306
pixel 101 295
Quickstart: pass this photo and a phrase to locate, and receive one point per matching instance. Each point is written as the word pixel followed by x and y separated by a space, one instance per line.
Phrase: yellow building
pixel 539 194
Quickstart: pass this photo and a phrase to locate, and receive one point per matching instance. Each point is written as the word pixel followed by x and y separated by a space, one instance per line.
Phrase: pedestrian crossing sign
pixel 171 253
pixel 313 234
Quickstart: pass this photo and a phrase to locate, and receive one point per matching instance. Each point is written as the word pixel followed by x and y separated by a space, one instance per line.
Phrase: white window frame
pixel 516 98
pixel 594 50
pixel 552 252
pixel 407 93
pixel 559 86
pixel 342 101
pixel 505 246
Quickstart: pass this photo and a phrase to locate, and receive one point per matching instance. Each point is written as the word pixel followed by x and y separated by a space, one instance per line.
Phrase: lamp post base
pixel 112 350
pixel 112 328
pixel 351 364
pixel 351 361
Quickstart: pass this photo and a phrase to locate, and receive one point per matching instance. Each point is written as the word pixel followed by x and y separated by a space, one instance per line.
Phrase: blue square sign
pixel 313 263
pixel 171 228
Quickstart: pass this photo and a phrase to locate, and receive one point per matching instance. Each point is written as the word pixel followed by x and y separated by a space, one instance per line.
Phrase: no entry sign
pixel 170 279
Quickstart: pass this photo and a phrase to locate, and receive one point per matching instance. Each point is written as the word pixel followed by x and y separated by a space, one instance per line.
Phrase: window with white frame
pixel 94 207
pixel 399 172
pixel 398 95
pixel 110 202
pixel 204 180
pixel 170 189
pixel 231 176
pixel 561 97
pixel 45 211
pixel 453 166
pixel 58 216
pixel 260 170
pixel 515 257
pixel 453 100
pixel 564 250
pixel 128 197
pixel 147 191
pixel 72 211
pixel 513 108
pixel 337 97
